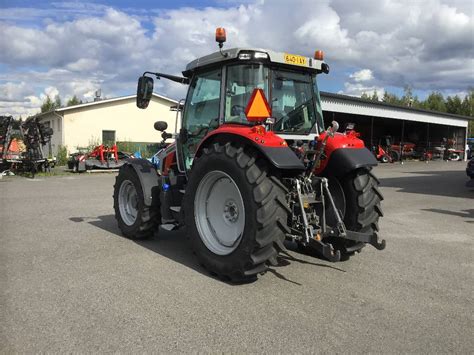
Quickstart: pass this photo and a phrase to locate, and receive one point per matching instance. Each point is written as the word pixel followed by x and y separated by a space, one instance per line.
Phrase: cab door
pixel 201 113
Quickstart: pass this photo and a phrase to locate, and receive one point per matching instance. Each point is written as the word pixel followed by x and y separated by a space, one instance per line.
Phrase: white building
pixel 116 119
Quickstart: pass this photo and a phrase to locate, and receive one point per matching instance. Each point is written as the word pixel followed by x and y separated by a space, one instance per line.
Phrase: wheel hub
pixel 231 211
pixel 219 212
pixel 128 202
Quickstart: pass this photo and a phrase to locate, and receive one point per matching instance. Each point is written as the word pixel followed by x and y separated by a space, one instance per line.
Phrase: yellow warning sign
pixel 258 109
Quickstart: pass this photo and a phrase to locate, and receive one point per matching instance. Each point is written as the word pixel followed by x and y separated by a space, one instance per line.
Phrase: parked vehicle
pixel 470 172
pixel 386 152
pixel 21 145
pixel 234 180
pixel 101 157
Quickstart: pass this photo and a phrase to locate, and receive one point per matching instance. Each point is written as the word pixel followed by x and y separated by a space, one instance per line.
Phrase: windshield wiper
pixel 294 80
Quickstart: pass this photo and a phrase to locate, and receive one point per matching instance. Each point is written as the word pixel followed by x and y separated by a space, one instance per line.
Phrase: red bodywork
pixel 170 158
pixel 260 136
pixel 382 153
pixel 349 140
pixel 257 134
pixel 99 151
pixel 408 148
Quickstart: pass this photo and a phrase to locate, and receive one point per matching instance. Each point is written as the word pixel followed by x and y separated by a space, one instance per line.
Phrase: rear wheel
pixel 394 155
pixel 135 219
pixel 235 213
pixel 360 207
pixel 454 157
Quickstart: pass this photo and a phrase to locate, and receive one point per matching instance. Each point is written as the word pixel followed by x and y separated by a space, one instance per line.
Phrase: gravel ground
pixel 70 282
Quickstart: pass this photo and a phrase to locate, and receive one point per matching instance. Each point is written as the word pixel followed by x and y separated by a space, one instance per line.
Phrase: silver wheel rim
pixel 128 202
pixel 219 213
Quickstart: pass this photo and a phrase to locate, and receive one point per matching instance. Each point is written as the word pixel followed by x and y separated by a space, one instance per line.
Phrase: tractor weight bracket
pixel 325 250
pixel 368 238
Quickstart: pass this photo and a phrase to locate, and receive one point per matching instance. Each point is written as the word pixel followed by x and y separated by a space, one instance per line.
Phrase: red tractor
pixel 252 166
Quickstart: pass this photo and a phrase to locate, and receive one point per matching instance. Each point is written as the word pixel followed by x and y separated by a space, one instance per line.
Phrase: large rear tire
pixel 235 212
pixel 394 155
pixel 360 206
pixel 135 219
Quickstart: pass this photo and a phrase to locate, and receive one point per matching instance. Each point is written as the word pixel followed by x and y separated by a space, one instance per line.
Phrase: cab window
pixel 241 81
pixel 292 102
pixel 202 106
pixel 201 112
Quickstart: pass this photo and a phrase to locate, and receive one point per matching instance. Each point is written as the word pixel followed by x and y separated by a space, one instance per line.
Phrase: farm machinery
pixel 21 145
pixel 252 166
pixel 100 157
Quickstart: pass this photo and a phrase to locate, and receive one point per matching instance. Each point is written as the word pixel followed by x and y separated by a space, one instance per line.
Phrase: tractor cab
pixel 222 84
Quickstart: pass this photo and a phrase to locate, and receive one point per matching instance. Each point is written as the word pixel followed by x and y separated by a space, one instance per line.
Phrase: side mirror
pixel 160 126
pixel 144 91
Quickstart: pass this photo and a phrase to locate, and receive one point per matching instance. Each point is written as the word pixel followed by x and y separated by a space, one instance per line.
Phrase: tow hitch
pixel 315 240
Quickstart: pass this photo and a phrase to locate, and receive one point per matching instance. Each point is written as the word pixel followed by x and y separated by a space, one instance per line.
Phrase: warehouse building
pixel 426 130
pixel 106 121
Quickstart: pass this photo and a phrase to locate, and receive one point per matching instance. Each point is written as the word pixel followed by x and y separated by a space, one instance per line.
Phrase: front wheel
pixel 235 212
pixel 135 219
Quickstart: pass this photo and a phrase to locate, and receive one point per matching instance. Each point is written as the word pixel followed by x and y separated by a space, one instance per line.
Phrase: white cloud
pixel 362 75
pixel 80 47
pixel 357 89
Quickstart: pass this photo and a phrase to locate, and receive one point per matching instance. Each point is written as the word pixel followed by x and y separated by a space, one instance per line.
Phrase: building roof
pixel 383 104
pixel 96 103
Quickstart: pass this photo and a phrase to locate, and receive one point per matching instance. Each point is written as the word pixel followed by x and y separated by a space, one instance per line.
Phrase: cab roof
pixel 232 54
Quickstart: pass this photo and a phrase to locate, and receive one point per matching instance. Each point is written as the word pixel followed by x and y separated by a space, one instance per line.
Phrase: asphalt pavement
pixel 69 282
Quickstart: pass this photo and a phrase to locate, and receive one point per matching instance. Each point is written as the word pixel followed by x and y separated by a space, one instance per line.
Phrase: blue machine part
pixel 155 160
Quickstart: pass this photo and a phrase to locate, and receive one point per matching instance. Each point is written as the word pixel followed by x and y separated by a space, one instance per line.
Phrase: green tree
pixel 467 105
pixel 392 99
pixel 467 109
pixel 454 105
pixel 74 101
pixel 57 102
pixel 407 98
pixel 435 102
pixel 61 158
pixel 375 97
pixel 48 105
pixel 365 96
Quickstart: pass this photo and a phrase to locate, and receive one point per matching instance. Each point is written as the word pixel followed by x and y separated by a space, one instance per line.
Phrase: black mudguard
pixel 149 179
pixel 344 160
pixel 282 158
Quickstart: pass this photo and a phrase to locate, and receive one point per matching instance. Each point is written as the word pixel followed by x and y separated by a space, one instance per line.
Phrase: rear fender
pixel 272 147
pixel 344 152
pixel 345 160
pixel 149 179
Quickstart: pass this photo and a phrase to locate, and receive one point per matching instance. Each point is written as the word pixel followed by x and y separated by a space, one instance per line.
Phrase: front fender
pixel 149 179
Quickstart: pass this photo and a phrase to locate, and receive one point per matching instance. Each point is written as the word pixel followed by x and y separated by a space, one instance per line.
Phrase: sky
pixel 50 48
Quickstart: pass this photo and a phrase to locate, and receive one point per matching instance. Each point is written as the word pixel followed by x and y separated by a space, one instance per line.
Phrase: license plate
pixel 295 59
